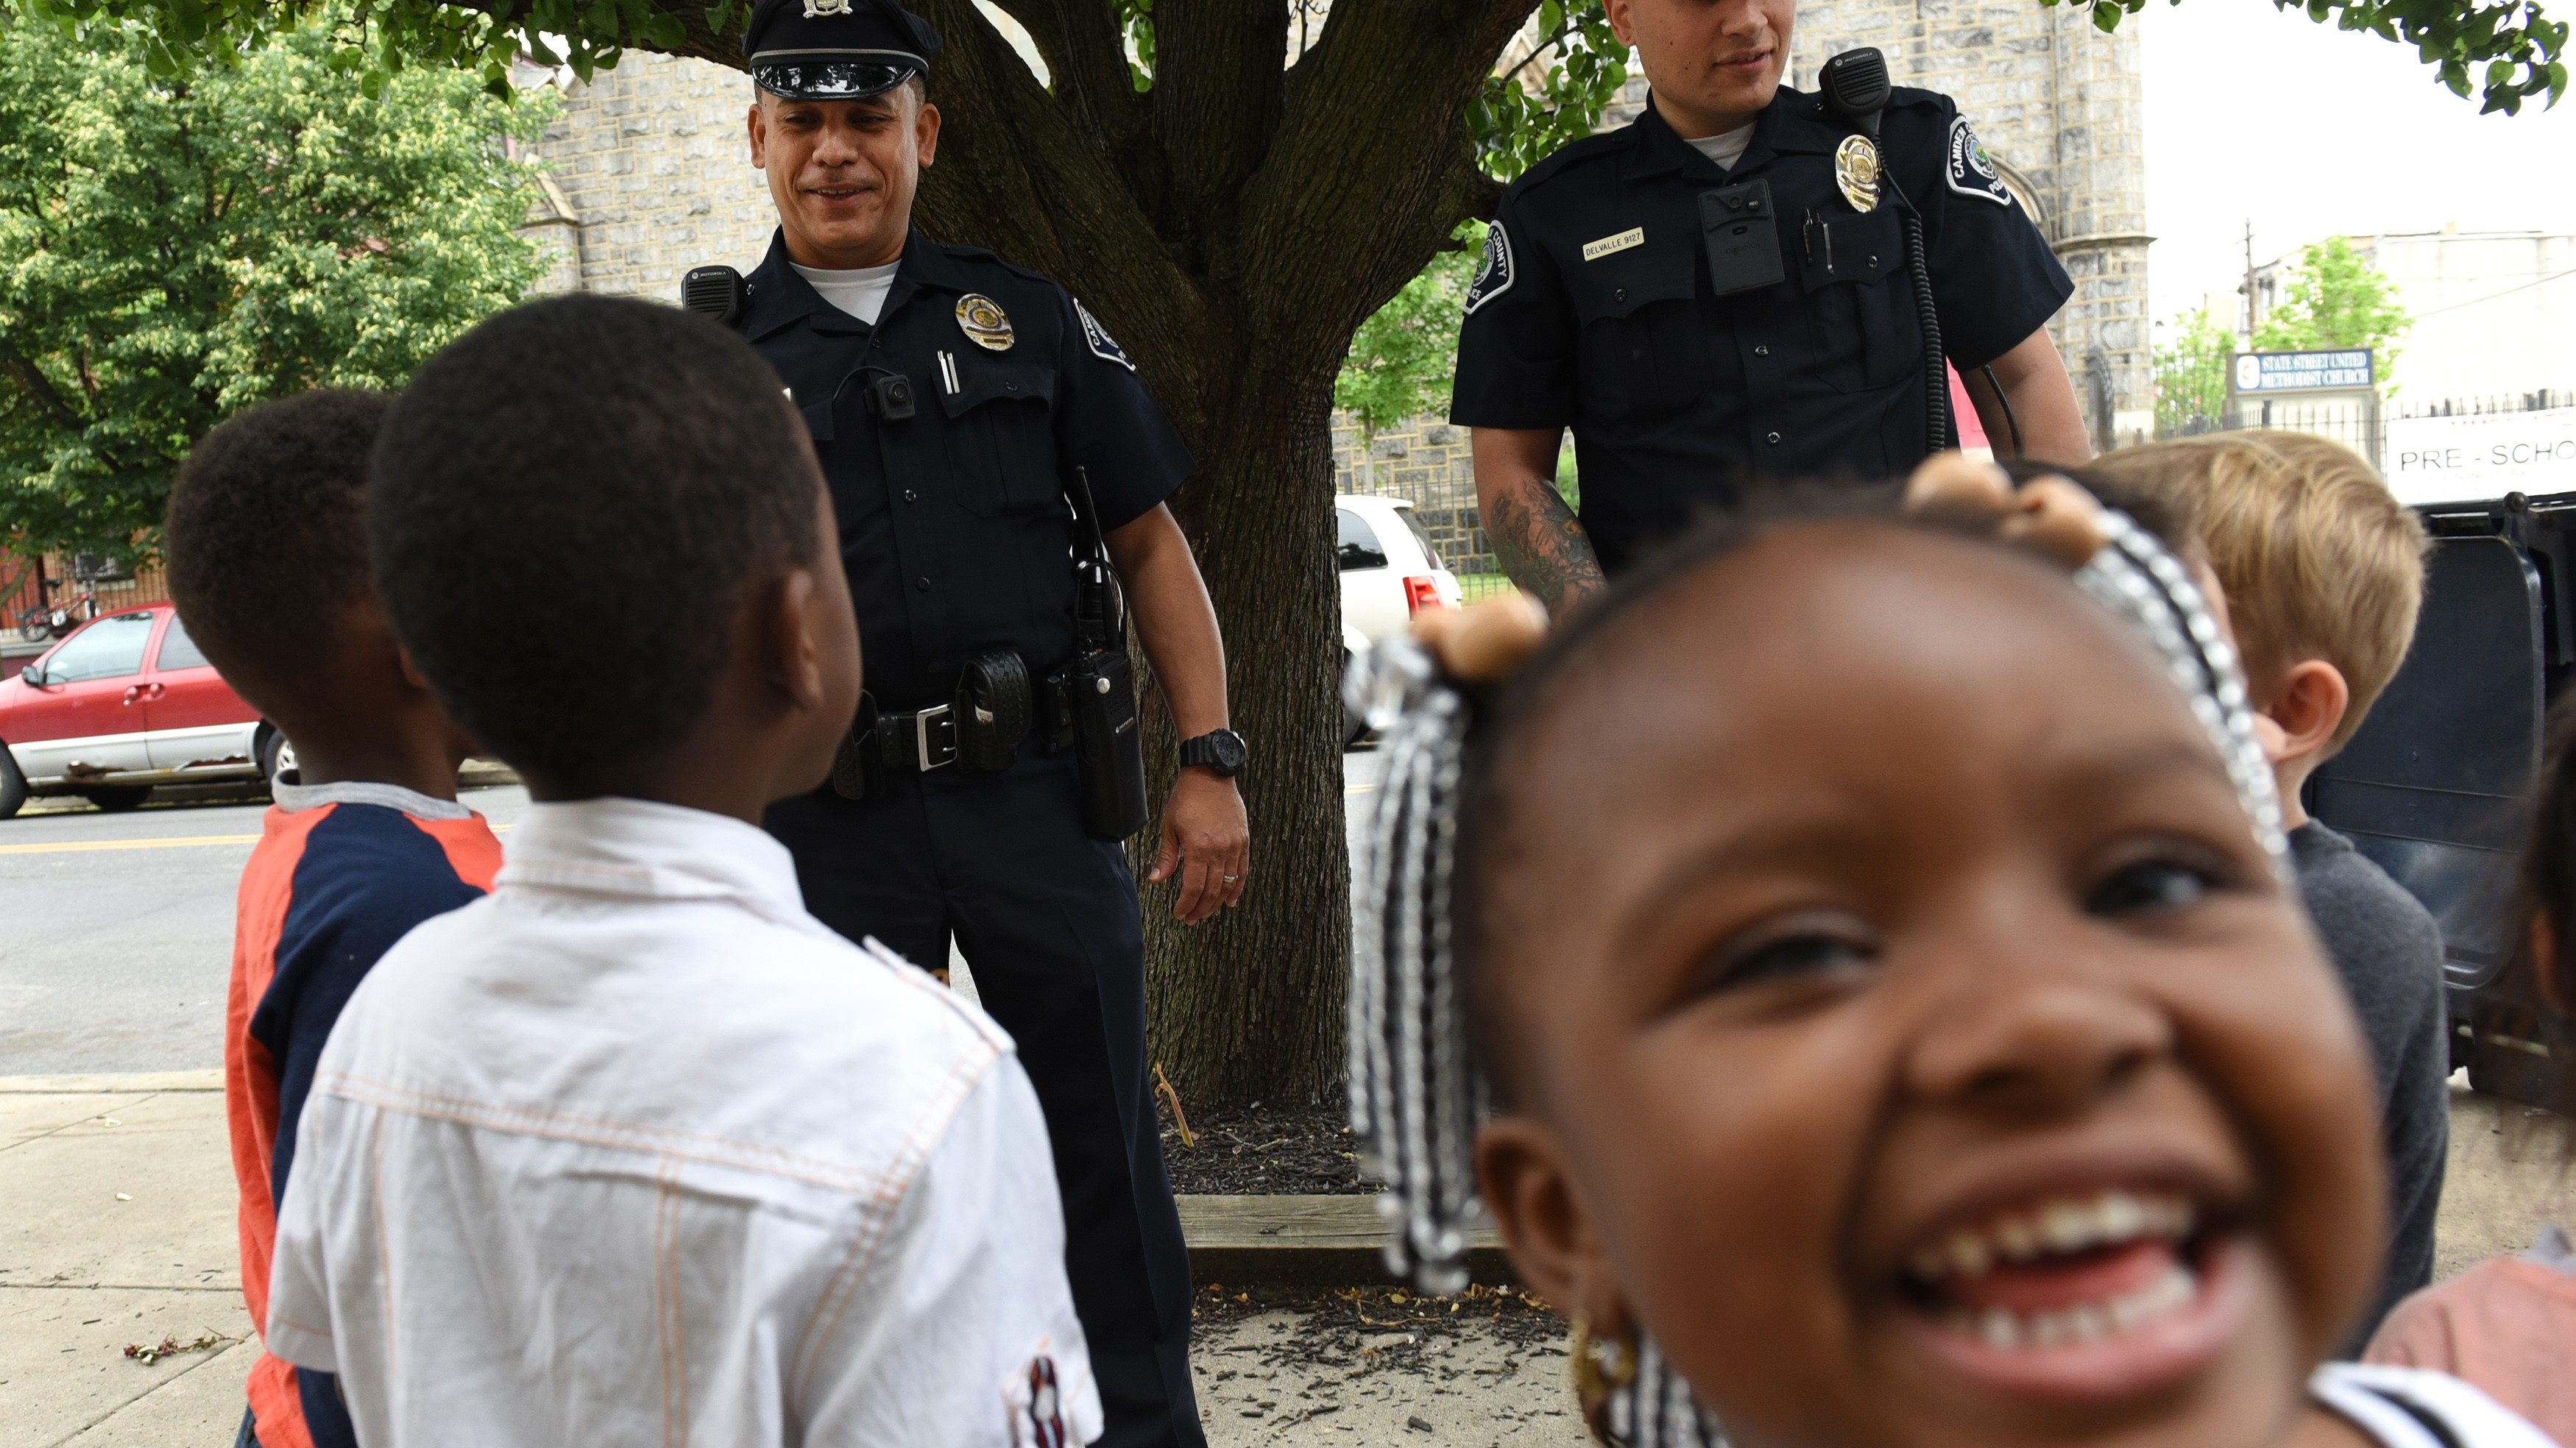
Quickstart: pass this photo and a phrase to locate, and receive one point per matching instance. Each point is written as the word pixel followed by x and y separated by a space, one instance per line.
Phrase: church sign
pixel 2302 371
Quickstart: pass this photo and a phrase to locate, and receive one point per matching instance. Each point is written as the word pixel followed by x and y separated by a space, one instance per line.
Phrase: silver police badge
pixel 817 9
pixel 1856 169
pixel 983 320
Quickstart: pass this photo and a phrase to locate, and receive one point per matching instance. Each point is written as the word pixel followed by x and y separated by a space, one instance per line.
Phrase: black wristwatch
pixel 1220 751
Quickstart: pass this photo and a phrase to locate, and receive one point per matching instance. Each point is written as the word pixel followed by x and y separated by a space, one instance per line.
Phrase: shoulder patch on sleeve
pixel 1495 276
pixel 1097 338
pixel 1970 171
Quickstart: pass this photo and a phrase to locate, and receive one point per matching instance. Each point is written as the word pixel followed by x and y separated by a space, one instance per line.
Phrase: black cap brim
pixel 823 77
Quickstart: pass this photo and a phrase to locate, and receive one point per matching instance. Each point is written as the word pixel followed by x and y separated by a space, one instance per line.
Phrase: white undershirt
pixel 1725 148
pixel 862 293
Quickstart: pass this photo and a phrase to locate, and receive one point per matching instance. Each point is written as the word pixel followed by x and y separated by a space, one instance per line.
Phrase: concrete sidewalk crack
pixel 147 1097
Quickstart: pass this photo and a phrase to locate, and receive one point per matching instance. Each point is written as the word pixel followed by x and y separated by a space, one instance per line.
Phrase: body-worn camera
pixel 890 397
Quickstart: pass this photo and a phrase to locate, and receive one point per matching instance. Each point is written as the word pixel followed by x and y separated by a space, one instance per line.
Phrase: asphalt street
pixel 116 930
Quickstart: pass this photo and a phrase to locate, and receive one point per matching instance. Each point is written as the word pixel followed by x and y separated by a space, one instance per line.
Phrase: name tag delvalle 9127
pixel 1742 233
pixel 1595 250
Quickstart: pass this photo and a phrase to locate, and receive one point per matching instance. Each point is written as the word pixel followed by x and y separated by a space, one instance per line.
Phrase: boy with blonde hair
pixel 2323 572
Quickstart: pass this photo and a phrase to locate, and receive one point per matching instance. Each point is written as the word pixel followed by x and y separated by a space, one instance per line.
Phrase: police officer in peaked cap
pixel 963 408
pixel 1726 291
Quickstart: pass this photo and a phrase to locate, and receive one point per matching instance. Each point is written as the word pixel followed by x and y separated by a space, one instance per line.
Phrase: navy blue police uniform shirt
pixel 1593 311
pixel 954 522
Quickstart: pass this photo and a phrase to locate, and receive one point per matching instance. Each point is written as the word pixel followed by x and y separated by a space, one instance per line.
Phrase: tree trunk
pixel 1231 227
pixel 1248 1006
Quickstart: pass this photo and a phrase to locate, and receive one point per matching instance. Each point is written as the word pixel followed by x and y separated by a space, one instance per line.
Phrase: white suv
pixel 1390 572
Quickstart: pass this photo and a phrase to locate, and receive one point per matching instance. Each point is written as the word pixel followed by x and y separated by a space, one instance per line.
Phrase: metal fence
pixel 2364 427
pixel 1427 463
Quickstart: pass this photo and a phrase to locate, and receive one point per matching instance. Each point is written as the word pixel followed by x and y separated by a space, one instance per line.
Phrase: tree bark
pixel 1231 227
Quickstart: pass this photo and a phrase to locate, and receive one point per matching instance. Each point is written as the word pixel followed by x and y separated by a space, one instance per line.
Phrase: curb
pixel 1303 1241
pixel 119 1083
pixel 1308 1241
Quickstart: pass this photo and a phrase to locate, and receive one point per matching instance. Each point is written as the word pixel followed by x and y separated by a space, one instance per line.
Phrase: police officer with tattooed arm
pixel 999 473
pixel 1748 282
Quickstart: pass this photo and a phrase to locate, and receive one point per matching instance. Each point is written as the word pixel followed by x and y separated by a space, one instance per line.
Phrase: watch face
pixel 1229 750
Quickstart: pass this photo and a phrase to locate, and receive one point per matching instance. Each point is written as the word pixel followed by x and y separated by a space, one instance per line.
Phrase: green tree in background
pixel 1402 357
pixel 179 243
pixel 2337 298
pixel 2191 375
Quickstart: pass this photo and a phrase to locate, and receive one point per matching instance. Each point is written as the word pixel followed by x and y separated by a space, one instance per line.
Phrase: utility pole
pixel 2251 320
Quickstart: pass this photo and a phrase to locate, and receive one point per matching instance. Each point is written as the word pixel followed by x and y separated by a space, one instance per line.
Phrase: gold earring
pixel 1602 1366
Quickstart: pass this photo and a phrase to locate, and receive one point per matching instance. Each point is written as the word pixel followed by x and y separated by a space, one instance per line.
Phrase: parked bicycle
pixel 53 620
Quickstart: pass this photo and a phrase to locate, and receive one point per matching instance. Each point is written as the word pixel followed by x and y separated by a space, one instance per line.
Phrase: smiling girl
pixel 1861 986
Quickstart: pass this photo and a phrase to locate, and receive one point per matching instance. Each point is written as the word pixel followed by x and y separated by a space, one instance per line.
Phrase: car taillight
pixel 1420 592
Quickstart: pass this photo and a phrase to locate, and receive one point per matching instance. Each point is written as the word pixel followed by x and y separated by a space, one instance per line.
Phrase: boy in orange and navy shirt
pixel 268 565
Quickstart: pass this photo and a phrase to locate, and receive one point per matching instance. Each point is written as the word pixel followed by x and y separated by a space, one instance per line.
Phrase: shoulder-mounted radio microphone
pixel 1856 87
pixel 715 292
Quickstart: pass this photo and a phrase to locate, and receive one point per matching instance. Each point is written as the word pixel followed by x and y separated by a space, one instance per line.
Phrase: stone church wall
pixel 654 176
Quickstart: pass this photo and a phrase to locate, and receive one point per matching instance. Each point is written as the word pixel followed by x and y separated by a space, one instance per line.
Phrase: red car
pixel 125 703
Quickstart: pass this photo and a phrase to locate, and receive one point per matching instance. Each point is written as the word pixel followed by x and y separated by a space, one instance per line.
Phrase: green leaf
pixel 191 259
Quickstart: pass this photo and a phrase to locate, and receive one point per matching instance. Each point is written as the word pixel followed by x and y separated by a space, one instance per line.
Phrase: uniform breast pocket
pixel 1863 334
pixel 1001 426
pixel 1640 353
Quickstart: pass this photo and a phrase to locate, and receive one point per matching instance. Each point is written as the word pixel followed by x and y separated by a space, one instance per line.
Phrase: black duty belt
pixel 920 741
pixel 979 730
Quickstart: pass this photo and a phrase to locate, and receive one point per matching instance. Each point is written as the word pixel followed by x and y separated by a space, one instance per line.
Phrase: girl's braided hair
pixel 1446 698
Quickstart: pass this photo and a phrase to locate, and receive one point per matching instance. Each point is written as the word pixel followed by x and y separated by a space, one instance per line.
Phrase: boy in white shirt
pixel 635 1150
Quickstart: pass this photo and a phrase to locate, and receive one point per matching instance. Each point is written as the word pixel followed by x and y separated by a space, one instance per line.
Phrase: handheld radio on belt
pixel 1856 89
pixel 1091 702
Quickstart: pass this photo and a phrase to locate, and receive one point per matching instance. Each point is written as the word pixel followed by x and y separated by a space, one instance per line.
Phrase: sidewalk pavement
pixel 116 1228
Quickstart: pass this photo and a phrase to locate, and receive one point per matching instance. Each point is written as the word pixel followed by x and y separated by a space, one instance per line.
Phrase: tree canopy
pixel 2336 298
pixel 2508 51
pixel 181 242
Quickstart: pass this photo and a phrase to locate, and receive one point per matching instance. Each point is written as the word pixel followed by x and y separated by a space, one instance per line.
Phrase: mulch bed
pixel 1265 1151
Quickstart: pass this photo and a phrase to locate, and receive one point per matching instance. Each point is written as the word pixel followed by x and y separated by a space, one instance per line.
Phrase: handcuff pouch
pixel 993 709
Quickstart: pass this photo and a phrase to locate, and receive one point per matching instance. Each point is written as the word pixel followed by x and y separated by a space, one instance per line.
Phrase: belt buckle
pixel 921 744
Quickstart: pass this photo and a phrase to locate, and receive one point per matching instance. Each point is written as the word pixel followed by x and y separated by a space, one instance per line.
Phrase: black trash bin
pixel 2434 785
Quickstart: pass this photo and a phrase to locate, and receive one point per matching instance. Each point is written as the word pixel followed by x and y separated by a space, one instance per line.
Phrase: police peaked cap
pixel 835 50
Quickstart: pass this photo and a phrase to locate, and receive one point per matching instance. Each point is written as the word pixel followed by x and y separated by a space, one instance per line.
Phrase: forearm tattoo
pixel 1541 545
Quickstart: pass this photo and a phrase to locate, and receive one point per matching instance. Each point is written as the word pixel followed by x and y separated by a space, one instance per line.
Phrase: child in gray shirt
pixel 2321 570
